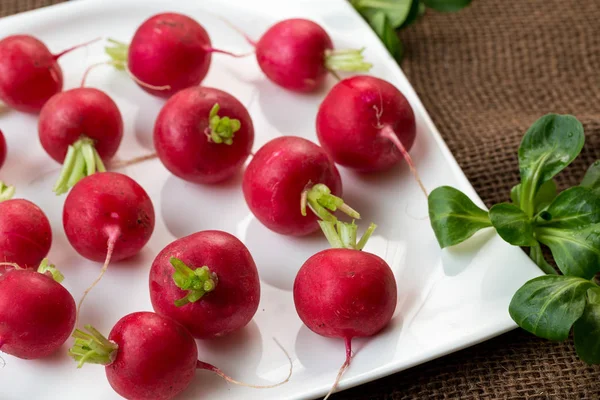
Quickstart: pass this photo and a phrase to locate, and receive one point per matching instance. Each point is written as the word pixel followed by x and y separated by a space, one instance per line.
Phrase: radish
pixel 297 54
pixel 37 313
pixel 278 176
pixel 80 128
pixel 107 216
pixel 203 135
pixel 25 233
pixel 169 52
pixel 147 356
pixel 206 281
pixel 366 124
pixel 344 292
pixel 29 73
pixel 2 149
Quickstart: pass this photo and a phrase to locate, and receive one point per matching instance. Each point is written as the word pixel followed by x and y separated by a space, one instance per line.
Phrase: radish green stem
pixel 45 267
pixel 196 282
pixel 92 348
pixel 6 192
pixel 321 201
pixel 348 60
pixel 82 160
pixel 221 129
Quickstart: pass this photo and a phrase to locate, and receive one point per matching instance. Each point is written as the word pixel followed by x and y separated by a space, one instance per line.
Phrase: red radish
pixel 80 128
pixel 107 216
pixel 29 73
pixel 37 313
pixel 344 292
pixel 298 53
pixel 147 356
pixel 206 281
pixel 365 123
pixel 2 149
pixel 25 233
pixel 203 135
pixel 277 177
pixel 169 52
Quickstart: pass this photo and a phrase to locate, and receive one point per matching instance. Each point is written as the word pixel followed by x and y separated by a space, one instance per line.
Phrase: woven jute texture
pixel 485 75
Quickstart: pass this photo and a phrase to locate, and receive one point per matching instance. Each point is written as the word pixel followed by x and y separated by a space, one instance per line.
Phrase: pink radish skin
pixel 2 149
pixel 37 314
pixel 149 356
pixel 297 54
pixel 25 233
pixel 277 176
pixel 355 118
pixel 29 73
pixel 108 208
pixel 345 293
pixel 171 51
pixel 87 112
pixel 182 136
pixel 292 52
pixel 233 301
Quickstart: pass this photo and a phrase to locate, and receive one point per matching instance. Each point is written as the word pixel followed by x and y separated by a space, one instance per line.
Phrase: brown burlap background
pixel 485 74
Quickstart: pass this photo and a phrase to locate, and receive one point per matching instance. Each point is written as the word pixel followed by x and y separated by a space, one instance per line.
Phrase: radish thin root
pixel 132 161
pixel 213 50
pixel 62 53
pixel 251 41
pixel 388 133
pixel 112 239
pixel 343 368
pixel 118 64
pixel 210 367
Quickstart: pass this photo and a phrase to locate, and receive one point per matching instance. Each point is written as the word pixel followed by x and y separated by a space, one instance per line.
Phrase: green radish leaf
pixel 396 11
pixel 381 25
pixel 549 145
pixel 447 5
pixel 512 224
pixel 587 329
pixel 549 305
pixel 454 217
pixel 576 207
pixel 413 14
pixel 576 251
pixel 591 179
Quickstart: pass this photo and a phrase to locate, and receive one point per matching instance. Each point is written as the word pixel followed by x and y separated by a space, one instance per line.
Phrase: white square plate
pixel 447 299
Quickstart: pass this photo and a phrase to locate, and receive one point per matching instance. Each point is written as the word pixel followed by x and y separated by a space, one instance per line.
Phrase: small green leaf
pixel 574 208
pixel 447 5
pixel 547 306
pixel 381 25
pixel 591 179
pixel 512 224
pixel 587 329
pixel 413 14
pixel 576 251
pixel 454 217
pixel 549 145
pixel 396 11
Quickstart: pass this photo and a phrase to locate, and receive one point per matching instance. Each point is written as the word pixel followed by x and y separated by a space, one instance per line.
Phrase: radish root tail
pixel 210 367
pixel 343 368
pixel 112 239
pixel 133 161
pixel 388 133
pixel 213 50
pixel 70 49
pixel 251 41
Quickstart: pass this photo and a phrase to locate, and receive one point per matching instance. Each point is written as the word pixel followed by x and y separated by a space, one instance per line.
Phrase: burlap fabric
pixel 485 74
